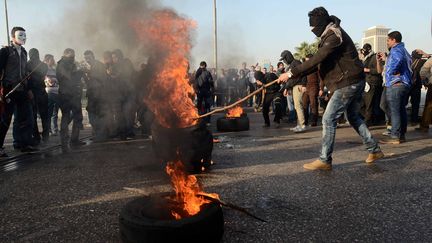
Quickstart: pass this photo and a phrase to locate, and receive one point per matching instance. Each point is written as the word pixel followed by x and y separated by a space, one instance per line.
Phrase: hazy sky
pixel 248 29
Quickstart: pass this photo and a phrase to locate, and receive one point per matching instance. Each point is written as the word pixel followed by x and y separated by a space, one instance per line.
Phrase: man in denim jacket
pixel 398 83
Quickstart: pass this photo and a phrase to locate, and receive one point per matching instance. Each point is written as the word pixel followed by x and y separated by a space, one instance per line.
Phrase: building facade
pixel 376 36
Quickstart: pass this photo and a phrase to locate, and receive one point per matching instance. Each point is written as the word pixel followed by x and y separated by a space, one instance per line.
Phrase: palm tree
pixel 305 49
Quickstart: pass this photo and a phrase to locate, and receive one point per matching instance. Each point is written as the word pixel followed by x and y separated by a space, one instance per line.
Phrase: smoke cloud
pixel 97 25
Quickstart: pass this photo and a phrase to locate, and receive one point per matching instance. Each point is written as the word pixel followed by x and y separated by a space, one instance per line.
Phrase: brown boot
pixel 390 141
pixel 374 156
pixel 317 165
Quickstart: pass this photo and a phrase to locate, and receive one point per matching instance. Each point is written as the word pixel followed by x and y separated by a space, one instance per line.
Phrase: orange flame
pixel 234 112
pixel 168 35
pixel 189 192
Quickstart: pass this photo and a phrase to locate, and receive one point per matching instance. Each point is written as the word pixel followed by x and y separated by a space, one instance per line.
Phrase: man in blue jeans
pixel 342 72
pixel 398 75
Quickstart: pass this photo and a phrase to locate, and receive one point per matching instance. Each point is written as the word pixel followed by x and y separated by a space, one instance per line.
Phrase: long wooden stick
pixel 239 101
pixel 232 206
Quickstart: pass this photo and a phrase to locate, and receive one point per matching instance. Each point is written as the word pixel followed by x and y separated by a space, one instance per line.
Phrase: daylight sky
pixel 252 30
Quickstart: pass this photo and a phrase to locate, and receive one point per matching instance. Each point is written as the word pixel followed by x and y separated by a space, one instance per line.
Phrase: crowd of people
pixel 337 78
pixel 365 89
pixel 32 88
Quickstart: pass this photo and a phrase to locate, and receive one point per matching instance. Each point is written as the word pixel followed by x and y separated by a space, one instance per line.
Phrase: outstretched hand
pixel 283 78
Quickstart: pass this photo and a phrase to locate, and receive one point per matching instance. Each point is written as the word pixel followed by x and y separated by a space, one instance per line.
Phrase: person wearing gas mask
pixel 298 87
pixel 40 102
pixel 342 72
pixel 373 89
pixel 13 63
pixel 70 92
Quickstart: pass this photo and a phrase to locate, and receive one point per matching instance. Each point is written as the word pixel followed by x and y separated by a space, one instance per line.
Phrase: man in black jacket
pixel 342 72
pixel 271 94
pixel 204 86
pixel 40 102
pixel 13 61
pixel 70 92
pixel 374 86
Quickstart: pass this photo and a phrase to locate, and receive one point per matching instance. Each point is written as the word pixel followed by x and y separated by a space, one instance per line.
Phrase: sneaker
pixel 3 153
pixel 390 141
pixel 374 156
pixel 294 128
pixel 300 129
pixel 387 133
pixel 317 165
pixel 266 125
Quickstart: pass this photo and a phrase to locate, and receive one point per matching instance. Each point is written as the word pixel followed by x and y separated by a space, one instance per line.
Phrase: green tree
pixel 305 48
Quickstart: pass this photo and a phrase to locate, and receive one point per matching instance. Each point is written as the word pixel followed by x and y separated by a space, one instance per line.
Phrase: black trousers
pixel 372 99
pixel 70 106
pixel 268 99
pixel 204 103
pixel 20 107
pixel 40 106
pixel 415 95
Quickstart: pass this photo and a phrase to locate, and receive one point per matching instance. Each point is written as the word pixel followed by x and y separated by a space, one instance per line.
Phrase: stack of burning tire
pixel 234 121
pixel 192 145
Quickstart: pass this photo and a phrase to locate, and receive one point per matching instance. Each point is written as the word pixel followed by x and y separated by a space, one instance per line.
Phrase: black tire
pixel 194 144
pixel 241 123
pixel 148 219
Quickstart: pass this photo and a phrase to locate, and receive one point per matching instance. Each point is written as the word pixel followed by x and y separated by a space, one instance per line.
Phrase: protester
pixel 123 75
pixel 373 88
pixel 97 101
pixel 13 64
pixel 51 87
pixel 70 91
pixel 310 97
pixel 426 76
pixel 259 78
pixel 271 94
pixel 398 77
pixel 40 97
pixel 205 86
pixel 298 87
pixel 252 85
pixel 414 94
pixel 342 72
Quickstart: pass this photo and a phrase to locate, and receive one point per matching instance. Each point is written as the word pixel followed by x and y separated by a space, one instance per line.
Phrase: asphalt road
pixel 77 197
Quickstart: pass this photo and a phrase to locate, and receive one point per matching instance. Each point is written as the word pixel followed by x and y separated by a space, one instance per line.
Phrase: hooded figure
pixel 287 57
pixel 36 83
pixel 37 78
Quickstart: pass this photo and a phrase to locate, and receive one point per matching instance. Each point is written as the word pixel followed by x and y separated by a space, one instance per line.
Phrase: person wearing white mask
pixel 13 62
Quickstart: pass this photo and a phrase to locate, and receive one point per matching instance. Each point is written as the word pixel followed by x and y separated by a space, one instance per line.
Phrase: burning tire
pixel 192 145
pixel 148 219
pixel 233 124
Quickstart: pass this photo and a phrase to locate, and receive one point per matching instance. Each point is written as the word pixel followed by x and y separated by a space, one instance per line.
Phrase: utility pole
pixel 215 35
pixel 7 21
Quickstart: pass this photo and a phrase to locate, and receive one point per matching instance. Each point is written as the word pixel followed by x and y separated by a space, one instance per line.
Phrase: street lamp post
pixel 215 35
pixel 7 21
